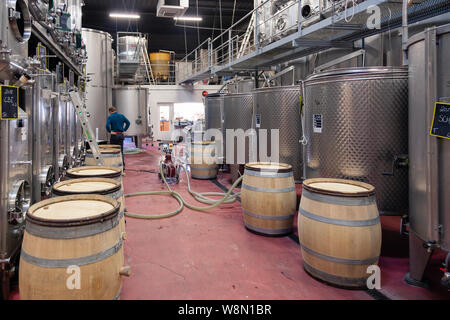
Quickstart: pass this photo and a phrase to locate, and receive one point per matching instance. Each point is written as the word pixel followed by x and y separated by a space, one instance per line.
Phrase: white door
pixel 165 121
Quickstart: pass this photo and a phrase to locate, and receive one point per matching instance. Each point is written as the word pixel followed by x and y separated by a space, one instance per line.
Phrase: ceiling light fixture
pixel 125 15
pixel 182 18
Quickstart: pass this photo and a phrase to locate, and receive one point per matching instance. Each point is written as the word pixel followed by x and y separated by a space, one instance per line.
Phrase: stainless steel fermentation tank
pixel 16 181
pixel 238 114
pixel 356 128
pixel 99 69
pixel 132 102
pixel 44 173
pixel 279 108
pixel 62 159
pixel 429 174
pixel 214 118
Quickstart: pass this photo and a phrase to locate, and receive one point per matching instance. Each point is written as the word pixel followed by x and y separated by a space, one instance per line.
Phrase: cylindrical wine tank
pixel 356 128
pixel 429 173
pixel 100 71
pixel 238 114
pixel 278 108
pixel 214 118
pixel 132 103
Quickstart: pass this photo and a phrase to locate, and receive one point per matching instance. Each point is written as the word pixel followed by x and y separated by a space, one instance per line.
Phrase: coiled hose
pixel 228 197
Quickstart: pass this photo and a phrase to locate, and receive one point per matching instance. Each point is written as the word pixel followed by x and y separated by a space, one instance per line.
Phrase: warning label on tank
pixel 317 123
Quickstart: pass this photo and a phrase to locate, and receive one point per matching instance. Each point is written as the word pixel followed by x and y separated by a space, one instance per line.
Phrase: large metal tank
pixel 356 128
pixel 15 186
pixel 286 118
pixel 132 103
pixel 99 69
pixel 238 114
pixel 60 123
pixel 43 136
pixel 14 34
pixel 429 173
pixel 214 118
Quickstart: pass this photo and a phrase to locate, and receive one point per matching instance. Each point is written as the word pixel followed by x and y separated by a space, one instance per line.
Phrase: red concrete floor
pixel 210 255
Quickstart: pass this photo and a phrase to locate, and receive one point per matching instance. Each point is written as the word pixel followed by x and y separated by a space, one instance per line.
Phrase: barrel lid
pixel 268 167
pixel 339 187
pixel 106 151
pixel 102 186
pixel 74 210
pixel 93 172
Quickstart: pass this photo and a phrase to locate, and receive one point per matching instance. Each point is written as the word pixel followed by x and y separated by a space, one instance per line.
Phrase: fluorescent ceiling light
pixel 182 18
pixel 124 15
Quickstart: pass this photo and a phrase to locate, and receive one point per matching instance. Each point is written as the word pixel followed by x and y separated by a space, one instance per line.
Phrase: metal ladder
pixel 147 64
pixel 247 36
pixel 80 109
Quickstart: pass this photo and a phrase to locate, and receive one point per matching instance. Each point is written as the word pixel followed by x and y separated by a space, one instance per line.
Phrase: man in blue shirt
pixel 117 124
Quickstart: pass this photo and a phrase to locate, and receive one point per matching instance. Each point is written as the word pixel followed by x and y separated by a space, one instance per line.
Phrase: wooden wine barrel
pixel 102 186
pixel 112 158
pixel 339 230
pixel 203 160
pixel 72 250
pixel 268 198
pixel 94 172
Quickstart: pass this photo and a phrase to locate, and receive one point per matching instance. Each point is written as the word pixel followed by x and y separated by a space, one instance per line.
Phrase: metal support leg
pixel 419 257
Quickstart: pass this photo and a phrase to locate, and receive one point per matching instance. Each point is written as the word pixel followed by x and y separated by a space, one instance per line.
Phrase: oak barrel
pixel 268 198
pixel 203 160
pixel 112 157
pixel 72 250
pixel 94 172
pixel 103 186
pixel 339 230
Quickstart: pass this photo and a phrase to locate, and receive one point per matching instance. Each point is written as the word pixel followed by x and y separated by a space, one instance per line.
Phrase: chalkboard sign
pixel 441 120
pixel 9 103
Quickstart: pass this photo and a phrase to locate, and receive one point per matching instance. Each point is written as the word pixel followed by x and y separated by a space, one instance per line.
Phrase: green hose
pixel 228 197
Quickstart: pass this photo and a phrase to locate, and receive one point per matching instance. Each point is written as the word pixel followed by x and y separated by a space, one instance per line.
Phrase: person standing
pixel 117 124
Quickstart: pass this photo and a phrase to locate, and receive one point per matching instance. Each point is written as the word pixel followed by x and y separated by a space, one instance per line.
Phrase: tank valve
pixel 399 161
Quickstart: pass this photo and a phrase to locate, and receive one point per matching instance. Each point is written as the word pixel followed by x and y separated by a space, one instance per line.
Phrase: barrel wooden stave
pixel 111 157
pixel 339 254
pixel 43 272
pixel 274 210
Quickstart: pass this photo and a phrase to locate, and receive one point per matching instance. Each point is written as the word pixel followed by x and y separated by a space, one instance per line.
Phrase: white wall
pixel 173 94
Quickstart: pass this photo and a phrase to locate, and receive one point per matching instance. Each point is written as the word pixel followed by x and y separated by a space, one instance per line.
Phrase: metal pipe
pixel 405 31
pixel 4 175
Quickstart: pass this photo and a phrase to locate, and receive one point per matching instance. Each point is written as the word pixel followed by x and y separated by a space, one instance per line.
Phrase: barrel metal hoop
pixel 353 262
pixel 259 216
pixel 350 201
pixel 105 155
pixel 204 177
pixel 339 222
pixel 356 282
pixel 268 231
pixel 264 174
pixel 64 263
pixel 290 189
pixel 73 232
pixel 117 296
